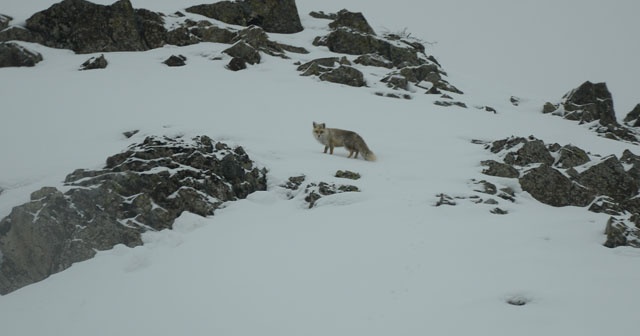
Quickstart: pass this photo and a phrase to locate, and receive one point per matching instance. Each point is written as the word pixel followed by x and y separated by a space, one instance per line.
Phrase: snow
pixel 378 262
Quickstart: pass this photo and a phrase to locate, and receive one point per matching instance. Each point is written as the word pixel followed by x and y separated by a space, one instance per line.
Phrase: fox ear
pixel 314 124
pixel 322 125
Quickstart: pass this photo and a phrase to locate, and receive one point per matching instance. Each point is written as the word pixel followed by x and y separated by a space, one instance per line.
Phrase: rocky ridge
pixel 144 188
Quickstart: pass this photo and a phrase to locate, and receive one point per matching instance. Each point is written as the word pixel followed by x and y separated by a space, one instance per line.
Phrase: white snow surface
pixel 384 261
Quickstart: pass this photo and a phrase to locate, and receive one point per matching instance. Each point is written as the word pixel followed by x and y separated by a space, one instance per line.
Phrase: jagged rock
pixel 633 118
pixel 344 74
pixel 192 32
pixel 504 144
pixel 95 63
pixel 17 33
pixel 4 21
pixel 237 64
pixel 244 51
pixel 373 60
pixel 590 102
pixel 609 178
pixel 620 233
pixel 175 61
pixel 450 103
pixel 85 27
pixel 533 151
pixel 570 156
pixel 634 160
pixel 15 55
pixel 426 72
pixel 346 41
pixel 549 107
pixel 551 187
pixel 444 199
pixel 258 38
pixel 608 205
pixel 319 66
pixel 487 187
pixel 396 82
pixel 347 174
pixel 515 101
pixel 495 168
pixel 274 16
pixel 129 134
pixel 316 191
pixel 498 211
pixel 323 15
pixel 144 188
pixel 355 21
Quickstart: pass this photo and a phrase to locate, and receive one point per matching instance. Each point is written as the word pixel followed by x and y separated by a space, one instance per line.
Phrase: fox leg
pixel 325 149
pixel 331 150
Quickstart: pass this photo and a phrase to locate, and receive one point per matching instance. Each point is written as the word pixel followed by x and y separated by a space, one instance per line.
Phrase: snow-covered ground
pixel 379 262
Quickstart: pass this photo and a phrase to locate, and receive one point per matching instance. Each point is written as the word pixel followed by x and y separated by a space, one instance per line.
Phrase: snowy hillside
pixel 381 261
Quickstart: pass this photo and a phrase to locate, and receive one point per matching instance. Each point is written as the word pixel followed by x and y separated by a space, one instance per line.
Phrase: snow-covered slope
pixel 379 262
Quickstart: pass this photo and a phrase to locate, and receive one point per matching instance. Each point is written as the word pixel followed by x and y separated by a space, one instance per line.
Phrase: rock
pixel 498 211
pixel 620 233
pixel 450 103
pixel 345 74
pixel 144 188
pixel 396 82
pixel 244 51
pixel 316 191
pixel 237 64
pixel 373 60
pixel 175 61
pixel 15 55
pixel 85 27
pixel 551 187
pixel 570 156
pixel 633 118
pixel 606 204
pixel 258 38
pixel 347 174
pixel 549 107
pixel 4 21
pixel 274 16
pixel 515 101
pixel 590 102
pixel 444 199
pixel 533 151
pixel 95 63
pixel 129 134
pixel 508 143
pixel 323 15
pixel 487 187
pixel 629 158
pixel 351 20
pixel 499 169
pixel 609 178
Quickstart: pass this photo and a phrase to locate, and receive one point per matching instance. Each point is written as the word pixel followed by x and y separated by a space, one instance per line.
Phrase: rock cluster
pixel 313 191
pixel 15 55
pixel 95 63
pixel 590 103
pixel 144 188
pixel 569 176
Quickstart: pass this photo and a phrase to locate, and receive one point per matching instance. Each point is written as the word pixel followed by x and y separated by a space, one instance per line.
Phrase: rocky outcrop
pixel 274 16
pixel 175 61
pixel 95 63
pixel 15 55
pixel 344 74
pixel 85 27
pixel 550 186
pixel 314 191
pixel 633 118
pixel 588 103
pixel 351 20
pixel 144 188
pixel 4 21
pixel 245 52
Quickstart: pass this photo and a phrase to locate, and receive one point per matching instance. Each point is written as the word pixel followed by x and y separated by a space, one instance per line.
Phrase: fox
pixel 334 137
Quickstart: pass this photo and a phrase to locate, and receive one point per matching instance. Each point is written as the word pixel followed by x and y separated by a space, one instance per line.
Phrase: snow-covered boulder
pixel 14 55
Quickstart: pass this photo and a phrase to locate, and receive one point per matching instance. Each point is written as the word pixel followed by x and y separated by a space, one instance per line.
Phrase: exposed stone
pixel 4 21
pixel 620 233
pixel 590 102
pixel 144 188
pixel 608 205
pixel 495 168
pixel 444 199
pixel 244 51
pixel 498 211
pixel 549 107
pixel 355 21
pixel 504 144
pixel 316 191
pixel 533 151
pixel 95 63
pixel 551 187
pixel 570 156
pixel 85 27
pixel 373 60
pixel 323 15
pixel 175 61
pixel 237 64
pixel 274 16
pixel 609 178
pixel 450 103
pixel 258 38
pixel 515 101
pixel 347 174
pixel 344 74
pixel 15 55
pixel 487 187
pixel 396 82
pixel 633 118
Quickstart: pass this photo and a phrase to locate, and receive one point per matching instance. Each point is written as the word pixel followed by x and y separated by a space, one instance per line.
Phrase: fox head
pixel 318 129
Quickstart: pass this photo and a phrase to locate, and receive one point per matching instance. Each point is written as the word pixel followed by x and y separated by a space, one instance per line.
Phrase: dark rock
pixel 85 27
pixel 444 199
pixel 571 156
pixel 505 144
pixel 633 117
pixel 590 102
pixel 373 60
pixel 533 151
pixel 396 82
pixel 609 178
pixel 347 174
pixel 450 103
pixel 244 51
pixel 495 168
pixel 15 55
pixel 344 74
pixel 4 21
pixel 498 211
pixel 258 38
pixel 487 187
pixel 175 61
pixel 515 101
pixel 551 187
pixel 95 63
pixel 620 233
pixel 129 134
pixel 237 64
pixel 351 20
pixel 634 160
pixel 275 16
pixel 16 33
pixel 145 188
pixel 548 108
pixel 606 204
pixel 316 191
pixel 323 15
pixel 294 182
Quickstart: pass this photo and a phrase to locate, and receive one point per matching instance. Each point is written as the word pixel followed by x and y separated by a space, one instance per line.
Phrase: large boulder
pixel 344 74
pixel 533 151
pixel 570 156
pixel 85 27
pixel 4 21
pixel 633 118
pixel 355 21
pixel 609 177
pixel 551 187
pixel 590 102
pixel 274 16
pixel 15 55
pixel 244 51
pixel 144 188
